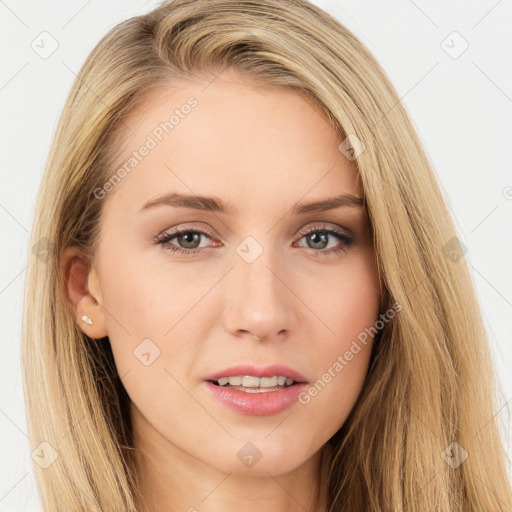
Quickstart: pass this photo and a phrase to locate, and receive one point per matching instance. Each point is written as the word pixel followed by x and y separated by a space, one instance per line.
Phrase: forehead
pixel 231 137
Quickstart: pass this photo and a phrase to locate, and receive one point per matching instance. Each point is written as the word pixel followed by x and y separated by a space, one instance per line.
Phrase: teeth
pixel 268 382
pixel 248 381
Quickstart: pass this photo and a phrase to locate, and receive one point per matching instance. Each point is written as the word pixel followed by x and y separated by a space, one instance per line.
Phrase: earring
pixel 87 320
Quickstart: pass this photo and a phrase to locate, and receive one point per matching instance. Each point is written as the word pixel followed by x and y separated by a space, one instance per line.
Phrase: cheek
pixel 337 385
pixel 143 297
pixel 146 322
pixel 346 297
pixel 140 305
pixel 348 302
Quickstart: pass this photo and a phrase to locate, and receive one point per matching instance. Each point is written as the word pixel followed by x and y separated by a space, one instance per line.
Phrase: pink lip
pixel 257 404
pixel 267 371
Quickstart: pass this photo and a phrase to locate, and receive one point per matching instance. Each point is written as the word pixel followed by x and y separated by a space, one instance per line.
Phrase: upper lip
pixel 255 371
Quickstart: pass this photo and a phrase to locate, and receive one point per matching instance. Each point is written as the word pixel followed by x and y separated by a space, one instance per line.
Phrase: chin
pixel 260 457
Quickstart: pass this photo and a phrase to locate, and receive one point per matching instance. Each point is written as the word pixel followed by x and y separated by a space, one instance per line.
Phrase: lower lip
pixel 257 404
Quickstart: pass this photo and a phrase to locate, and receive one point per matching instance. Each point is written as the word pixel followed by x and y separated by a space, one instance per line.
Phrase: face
pixel 253 277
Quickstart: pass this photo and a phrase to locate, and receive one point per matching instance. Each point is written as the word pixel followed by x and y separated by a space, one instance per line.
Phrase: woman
pixel 255 294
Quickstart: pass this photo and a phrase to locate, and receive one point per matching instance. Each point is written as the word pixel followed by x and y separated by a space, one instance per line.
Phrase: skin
pixel 261 150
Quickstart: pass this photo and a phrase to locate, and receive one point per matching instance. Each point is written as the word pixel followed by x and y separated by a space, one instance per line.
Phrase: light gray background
pixel 461 108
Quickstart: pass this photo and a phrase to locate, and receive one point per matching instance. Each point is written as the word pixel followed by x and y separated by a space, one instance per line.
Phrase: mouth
pixel 251 379
pixel 252 384
pixel 256 392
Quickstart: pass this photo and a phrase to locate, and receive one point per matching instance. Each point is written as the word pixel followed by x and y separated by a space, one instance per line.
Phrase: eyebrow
pixel 214 204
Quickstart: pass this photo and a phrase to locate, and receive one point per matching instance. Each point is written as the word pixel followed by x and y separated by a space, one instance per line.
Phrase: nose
pixel 260 301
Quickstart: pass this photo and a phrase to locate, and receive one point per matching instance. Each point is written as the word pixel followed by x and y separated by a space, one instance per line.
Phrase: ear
pixel 84 293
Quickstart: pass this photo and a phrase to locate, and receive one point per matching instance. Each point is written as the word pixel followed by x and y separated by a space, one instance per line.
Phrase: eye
pixel 189 240
pixel 186 236
pixel 319 236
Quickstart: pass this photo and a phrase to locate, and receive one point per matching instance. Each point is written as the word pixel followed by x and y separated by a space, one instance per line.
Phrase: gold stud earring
pixel 87 320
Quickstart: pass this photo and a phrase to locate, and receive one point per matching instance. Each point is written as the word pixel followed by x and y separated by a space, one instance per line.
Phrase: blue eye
pixel 320 235
pixel 191 238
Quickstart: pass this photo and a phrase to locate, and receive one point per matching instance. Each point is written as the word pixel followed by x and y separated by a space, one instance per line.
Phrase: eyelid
pixel 326 227
pixel 185 228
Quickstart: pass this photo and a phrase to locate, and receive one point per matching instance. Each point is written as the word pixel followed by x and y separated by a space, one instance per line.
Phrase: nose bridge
pixel 260 302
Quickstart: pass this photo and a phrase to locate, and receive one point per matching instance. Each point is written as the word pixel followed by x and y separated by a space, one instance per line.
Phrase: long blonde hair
pixel 430 383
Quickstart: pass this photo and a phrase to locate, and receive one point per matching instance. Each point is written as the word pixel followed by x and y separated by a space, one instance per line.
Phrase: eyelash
pixel 344 238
